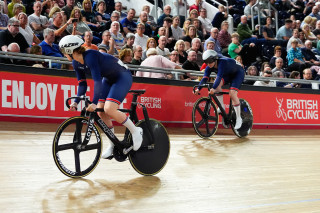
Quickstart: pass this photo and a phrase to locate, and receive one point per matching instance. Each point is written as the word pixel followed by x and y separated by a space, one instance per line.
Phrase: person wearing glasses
pixel 140 38
pixel 12 34
pixel 115 16
pixel 228 71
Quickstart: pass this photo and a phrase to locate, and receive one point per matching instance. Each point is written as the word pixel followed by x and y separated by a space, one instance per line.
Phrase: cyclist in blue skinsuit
pixel 112 81
pixel 228 71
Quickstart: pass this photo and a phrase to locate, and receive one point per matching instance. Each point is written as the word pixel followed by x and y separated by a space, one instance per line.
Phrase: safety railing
pixel 176 72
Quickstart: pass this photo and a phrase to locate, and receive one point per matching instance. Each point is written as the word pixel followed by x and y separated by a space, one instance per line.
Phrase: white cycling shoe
pixel 108 152
pixel 137 138
pixel 238 123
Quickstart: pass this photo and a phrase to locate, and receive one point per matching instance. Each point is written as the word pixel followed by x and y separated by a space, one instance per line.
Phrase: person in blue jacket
pixel 112 81
pixel 228 71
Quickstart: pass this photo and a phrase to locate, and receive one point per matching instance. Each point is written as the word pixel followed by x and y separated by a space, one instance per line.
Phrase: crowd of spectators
pixel 175 42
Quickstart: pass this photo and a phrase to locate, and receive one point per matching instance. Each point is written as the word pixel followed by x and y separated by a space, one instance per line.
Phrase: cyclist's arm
pixel 221 69
pixel 82 81
pixel 206 76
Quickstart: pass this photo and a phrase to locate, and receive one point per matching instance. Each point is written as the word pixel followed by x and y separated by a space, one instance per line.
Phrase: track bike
pixel 77 143
pixel 205 117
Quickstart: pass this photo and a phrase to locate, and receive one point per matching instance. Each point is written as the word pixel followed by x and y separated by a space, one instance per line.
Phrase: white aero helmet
pixel 69 43
pixel 209 56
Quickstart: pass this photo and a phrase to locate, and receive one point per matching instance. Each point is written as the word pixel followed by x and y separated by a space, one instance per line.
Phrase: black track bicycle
pixel 77 143
pixel 205 117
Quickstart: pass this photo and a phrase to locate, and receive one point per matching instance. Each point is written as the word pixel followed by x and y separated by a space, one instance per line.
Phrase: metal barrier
pixel 175 72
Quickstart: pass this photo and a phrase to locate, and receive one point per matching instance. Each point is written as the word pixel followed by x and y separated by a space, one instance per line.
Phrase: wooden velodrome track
pixel 269 171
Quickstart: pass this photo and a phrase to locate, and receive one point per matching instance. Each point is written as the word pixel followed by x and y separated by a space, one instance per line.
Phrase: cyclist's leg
pixel 220 96
pixel 234 88
pixel 106 118
pixel 117 93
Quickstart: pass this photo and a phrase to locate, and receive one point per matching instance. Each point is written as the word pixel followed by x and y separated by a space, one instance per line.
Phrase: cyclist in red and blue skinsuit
pixel 228 71
pixel 112 81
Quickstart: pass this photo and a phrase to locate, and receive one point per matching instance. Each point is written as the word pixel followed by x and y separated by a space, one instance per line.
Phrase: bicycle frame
pixel 94 118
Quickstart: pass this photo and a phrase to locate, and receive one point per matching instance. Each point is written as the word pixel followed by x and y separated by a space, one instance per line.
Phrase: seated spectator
pixel 60 29
pixel 245 33
pixel 125 55
pixel 224 37
pixel 285 32
pixel 11 5
pixel 185 26
pixel 180 48
pixel 101 15
pixel 137 55
pixel 214 37
pixel 239 59
pixel 265 66
pixel 89 17
pixel 167 22
pixel 13 47
pixel 308 54
pixel 196 46
pixel 54 10
pixel 4 18
pixel 190 34
pixel 130 41
pixel 177 32
pixel 308 33
pixel 49 48
pixel 296 60
pixel 205 22
pixel 129 26
pixel 115 16
pixel 151 21
pixel 17 8
pixel 307 75
pixel 26 30
pixel 80 26
pixel 12 35
pixel 316 31
pixel 161 32
pixel 151 43
pixel 154 60
pixel 143 19
pixel 193 14
pixel 118 7
pixel 174 57
pixel 220 16
pixel 190 64
pixel 247 52
pixel 161 50
pixel 200 30
pixel 88 37
pixel 265 83
pixel 36 50
pixel 47 6
pixel 295 35
pixel 306 20
pixel 268 34
pixel 37 21
pixel 251 71
pixel 166 13
pixel 108 43
pixel 279 66
pixel 116 35
pixel 68 8
pixel 294 75
pixel 279 74
pixel 140 38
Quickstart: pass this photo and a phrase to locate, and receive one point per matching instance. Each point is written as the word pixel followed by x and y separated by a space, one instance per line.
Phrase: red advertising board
pixel 42 96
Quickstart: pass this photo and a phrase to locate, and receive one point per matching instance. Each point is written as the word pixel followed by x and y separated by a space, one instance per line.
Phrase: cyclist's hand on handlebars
pixel 91 107
pixel 196 92
pixel 73 107
pixel 211 92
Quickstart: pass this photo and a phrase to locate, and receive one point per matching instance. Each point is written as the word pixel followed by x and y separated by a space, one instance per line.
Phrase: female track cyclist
pixel 112 81
pixel 228 71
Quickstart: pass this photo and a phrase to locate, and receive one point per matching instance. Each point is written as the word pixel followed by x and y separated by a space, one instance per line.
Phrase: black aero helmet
pixel 209 56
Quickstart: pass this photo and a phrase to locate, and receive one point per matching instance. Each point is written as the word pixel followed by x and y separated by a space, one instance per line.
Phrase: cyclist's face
pixel 211 64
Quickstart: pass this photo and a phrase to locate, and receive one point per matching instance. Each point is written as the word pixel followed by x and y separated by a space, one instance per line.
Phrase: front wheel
pixel 153 154
pixel 205 118
pixel 247 119
pixel 71 158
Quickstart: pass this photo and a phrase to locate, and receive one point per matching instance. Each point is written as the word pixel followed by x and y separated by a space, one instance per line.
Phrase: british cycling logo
pixel 151 102
pixel 297 109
